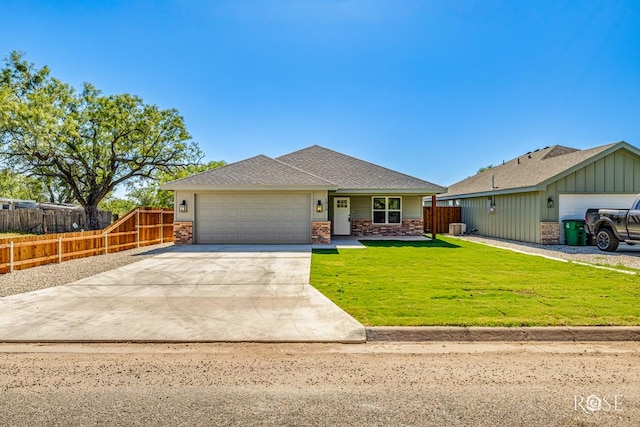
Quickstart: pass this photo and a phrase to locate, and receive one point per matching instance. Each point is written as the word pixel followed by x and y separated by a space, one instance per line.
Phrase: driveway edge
pixel 484 334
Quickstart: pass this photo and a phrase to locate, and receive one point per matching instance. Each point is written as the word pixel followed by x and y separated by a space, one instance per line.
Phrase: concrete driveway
pixel 190 293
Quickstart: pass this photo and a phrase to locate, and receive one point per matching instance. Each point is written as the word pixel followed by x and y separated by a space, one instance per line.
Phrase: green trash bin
pixel 574 233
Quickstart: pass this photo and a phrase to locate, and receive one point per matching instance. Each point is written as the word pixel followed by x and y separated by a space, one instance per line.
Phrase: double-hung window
pixel 387 210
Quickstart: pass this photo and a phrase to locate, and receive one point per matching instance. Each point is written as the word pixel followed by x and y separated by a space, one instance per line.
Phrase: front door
pixel 342 216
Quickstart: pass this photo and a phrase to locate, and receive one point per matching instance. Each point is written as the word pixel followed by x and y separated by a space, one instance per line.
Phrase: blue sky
pixel 435 89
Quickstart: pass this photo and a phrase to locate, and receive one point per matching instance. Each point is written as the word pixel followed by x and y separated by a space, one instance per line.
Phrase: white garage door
pixel 253 219
pixel 574 206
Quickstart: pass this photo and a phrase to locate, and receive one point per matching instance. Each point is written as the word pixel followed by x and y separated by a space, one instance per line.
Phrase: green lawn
pixel 454 282
pixel 14 234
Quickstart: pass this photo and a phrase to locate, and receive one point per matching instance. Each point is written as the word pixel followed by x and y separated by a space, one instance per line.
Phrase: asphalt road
pixel 443 384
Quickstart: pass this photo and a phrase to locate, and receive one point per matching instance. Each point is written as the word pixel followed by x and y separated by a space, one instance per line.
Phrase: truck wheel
pixel 606 240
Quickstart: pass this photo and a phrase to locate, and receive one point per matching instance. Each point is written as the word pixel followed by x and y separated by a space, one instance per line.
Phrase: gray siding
pixel 517 216
pixel 411 207
pixel 361 207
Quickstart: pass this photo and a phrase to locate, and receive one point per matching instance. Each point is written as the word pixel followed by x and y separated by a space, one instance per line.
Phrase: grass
pixel 454 282
pixel 14 234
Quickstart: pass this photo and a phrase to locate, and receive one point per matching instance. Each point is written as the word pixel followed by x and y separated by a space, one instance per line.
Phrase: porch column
pixel 433 216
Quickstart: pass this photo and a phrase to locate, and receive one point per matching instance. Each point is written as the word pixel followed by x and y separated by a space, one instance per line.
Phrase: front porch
pixel 353 242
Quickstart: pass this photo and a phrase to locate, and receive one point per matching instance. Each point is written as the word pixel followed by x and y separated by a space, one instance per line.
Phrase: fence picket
pixel 445 215
pixel 124 234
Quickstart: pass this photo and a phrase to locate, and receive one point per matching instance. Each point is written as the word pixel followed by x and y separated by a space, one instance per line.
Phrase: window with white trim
pixel 387 210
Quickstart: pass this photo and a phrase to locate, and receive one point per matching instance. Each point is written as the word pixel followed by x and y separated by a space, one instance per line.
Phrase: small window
pixel 387 210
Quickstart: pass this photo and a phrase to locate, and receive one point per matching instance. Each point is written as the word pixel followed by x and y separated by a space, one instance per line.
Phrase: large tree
pixel 85 140
pixel 148 193
pixel 17 186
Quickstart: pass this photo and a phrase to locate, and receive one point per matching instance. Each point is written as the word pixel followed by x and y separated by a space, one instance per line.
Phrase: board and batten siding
pixel 618 172
pixel 516 217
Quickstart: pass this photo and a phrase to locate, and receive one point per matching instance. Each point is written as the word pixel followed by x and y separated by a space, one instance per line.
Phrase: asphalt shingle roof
pixel 315 166
pixel 259 170
pixel 351 173
pixel 529 170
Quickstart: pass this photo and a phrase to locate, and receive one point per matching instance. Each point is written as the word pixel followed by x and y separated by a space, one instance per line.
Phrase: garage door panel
pixel 273 226
pixel 231 200
pixel 259 200
pixel 253 218
pixel 298 225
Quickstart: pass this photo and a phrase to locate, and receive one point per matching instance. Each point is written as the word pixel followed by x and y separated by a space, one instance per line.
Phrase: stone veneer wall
pixel 550 233
pixel 409 227
pixel 321 232
pixel 183 233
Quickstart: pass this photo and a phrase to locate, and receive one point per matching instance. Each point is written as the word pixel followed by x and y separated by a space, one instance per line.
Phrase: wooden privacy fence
pixel 445 215
pixel 48 221
pixel 139 227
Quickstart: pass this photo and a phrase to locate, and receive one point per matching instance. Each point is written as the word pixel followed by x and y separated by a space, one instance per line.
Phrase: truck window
pixel 636 206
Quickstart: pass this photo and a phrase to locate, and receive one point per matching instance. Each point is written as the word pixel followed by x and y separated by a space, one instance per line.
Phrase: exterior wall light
pixel 550 202
pixel 319 207
pixel 183 206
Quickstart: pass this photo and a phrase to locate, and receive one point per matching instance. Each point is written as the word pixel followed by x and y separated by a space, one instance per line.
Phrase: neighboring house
pixel 11 204
pixel 299 198
pixel 527 198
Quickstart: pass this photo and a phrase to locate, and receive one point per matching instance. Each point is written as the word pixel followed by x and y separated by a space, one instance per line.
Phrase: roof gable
pixel 532 169
pixel 350 173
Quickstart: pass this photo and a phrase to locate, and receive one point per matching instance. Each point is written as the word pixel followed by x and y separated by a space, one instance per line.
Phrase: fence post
pixel 59 249
pixel 106 243
pixel 138 227
pixel 11 257
pixel 161 225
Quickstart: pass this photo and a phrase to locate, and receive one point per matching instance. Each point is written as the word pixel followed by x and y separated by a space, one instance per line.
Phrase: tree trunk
pixel 93 217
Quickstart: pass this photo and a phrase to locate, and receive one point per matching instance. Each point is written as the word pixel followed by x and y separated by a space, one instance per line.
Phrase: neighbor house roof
pixel 351 174
pixel 531 171
pixel 311 168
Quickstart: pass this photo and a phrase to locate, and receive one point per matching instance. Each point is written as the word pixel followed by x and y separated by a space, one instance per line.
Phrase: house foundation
pixel 409 227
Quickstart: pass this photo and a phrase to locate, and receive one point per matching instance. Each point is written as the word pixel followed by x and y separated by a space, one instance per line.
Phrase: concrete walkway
pixel 353 242
pixel 188 294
